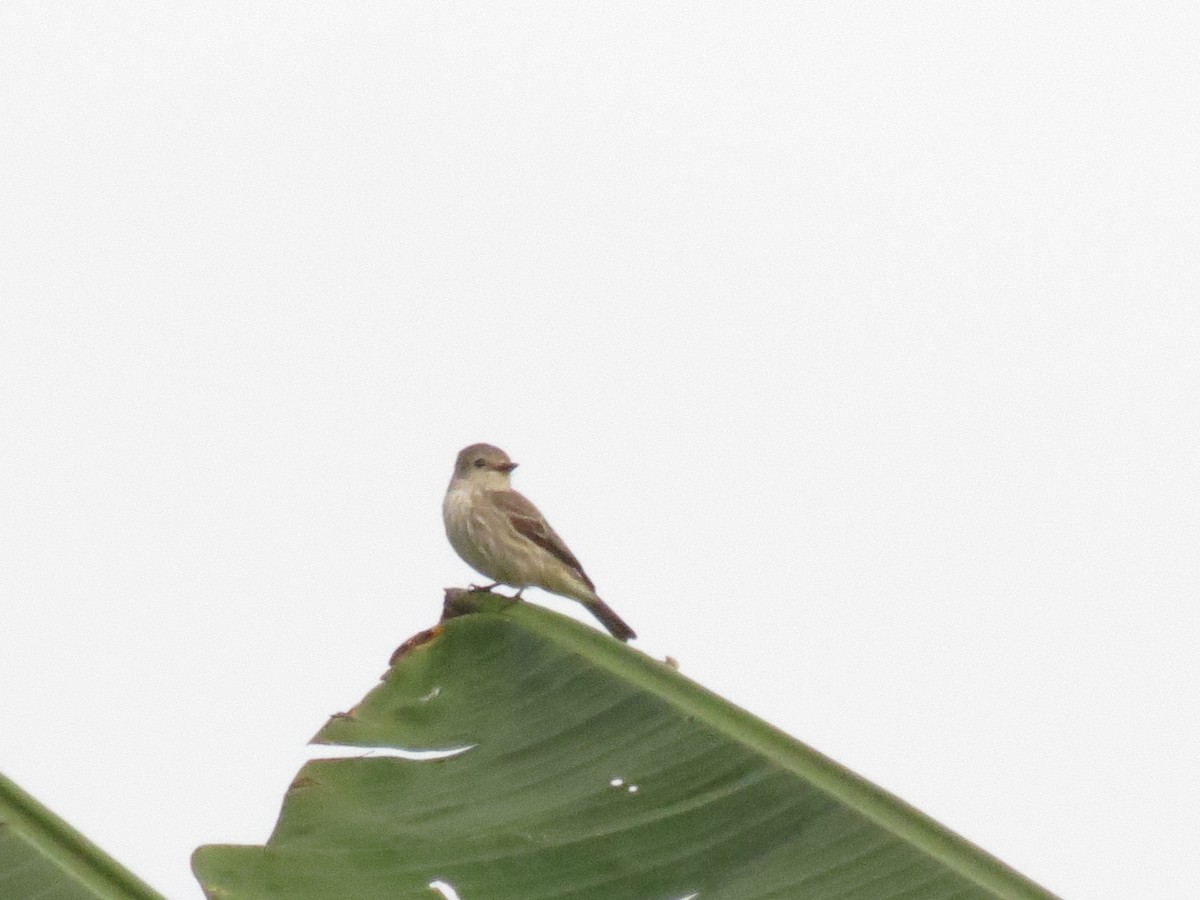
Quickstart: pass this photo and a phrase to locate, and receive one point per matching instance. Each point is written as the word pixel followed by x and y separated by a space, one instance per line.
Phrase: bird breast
pixel 478 533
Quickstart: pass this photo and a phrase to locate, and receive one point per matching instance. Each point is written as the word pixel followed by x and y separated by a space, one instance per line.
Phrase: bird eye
pixel 479 463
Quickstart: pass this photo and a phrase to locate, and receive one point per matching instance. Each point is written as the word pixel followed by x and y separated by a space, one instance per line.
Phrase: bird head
pixel 483 462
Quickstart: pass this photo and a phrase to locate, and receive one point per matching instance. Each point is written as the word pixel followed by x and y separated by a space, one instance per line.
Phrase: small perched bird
pixel 500 534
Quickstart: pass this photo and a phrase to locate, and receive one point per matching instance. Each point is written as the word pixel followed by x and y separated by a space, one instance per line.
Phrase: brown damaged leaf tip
pixel 454 605
pixel 423 637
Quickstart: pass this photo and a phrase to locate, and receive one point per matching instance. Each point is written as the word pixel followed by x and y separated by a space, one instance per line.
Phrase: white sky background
pixel 853 348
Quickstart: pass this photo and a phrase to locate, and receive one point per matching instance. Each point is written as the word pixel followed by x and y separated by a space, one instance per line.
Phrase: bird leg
pixel 479 589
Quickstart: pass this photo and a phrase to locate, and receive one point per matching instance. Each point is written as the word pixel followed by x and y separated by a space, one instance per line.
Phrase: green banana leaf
pixel 43 857
pixel 592 771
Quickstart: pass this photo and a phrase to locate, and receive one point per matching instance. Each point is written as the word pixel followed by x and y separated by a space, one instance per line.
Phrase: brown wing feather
pixel 530 523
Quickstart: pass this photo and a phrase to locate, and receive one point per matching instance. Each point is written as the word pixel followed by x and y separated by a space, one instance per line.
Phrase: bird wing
pixel 530 523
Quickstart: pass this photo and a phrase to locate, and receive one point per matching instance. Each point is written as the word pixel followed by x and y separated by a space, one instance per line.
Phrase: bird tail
pixel 614 623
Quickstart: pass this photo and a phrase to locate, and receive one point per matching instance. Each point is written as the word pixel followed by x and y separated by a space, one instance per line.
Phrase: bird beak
pixel 507 467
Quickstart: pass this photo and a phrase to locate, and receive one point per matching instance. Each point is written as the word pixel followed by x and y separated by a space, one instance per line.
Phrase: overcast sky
pixel 853 347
